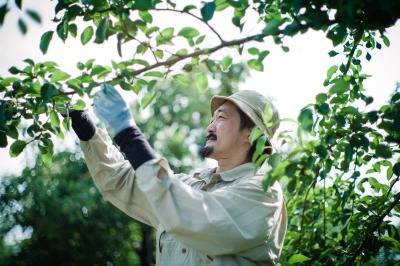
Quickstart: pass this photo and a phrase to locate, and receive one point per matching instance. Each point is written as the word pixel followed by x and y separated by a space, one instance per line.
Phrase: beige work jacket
pixel 201 219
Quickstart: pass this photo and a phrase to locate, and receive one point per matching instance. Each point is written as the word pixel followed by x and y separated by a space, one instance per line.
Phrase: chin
pixel 206 152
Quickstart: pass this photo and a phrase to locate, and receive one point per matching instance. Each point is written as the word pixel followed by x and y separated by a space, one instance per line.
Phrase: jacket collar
pixel 240 171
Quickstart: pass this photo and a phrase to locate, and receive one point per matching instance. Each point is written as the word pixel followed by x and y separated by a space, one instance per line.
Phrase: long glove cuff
pixel 135 146
pixel 82 125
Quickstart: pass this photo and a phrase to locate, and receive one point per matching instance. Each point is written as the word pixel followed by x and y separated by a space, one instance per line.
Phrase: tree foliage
pixel 340 171
pixel 66 220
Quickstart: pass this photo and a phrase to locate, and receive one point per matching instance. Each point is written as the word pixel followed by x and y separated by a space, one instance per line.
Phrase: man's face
pixel 224 137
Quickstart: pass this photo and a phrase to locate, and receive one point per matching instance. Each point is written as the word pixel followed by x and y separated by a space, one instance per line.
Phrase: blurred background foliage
pixel 64 219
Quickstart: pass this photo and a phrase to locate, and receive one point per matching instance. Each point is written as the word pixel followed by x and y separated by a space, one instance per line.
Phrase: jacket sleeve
pixel 229 220
pixel 115 178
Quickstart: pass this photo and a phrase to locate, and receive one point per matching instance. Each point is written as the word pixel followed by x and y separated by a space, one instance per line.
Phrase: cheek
pixel 227 128
pixel 223 126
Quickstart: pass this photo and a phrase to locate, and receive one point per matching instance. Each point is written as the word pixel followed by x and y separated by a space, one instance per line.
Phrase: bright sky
pixel 291 79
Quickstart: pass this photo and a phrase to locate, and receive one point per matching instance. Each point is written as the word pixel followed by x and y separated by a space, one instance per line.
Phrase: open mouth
pixel 211 137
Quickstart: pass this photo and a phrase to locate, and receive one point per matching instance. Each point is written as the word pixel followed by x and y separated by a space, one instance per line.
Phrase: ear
pixel 246 134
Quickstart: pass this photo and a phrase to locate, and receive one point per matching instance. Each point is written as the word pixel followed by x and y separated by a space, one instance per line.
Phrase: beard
pixel 205 152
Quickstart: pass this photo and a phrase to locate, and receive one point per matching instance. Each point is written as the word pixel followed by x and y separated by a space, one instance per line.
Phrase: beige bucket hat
pixel 253 105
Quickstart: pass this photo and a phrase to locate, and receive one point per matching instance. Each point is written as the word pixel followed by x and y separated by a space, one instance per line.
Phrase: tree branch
pixel 196 53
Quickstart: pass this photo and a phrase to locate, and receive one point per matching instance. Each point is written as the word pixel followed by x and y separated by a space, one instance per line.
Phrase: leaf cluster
pixel 341 173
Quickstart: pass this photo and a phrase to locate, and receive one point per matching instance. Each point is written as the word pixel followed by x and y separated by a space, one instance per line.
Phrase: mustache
pixel 211 136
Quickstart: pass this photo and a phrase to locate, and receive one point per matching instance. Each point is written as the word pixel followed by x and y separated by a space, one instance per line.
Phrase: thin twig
pixel 196 17
pixel 357 40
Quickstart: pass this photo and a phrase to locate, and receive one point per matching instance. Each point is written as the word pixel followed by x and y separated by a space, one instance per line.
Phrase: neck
pixel 228 164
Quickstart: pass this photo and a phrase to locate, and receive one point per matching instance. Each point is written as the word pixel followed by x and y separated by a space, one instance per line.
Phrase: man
pixel 218 216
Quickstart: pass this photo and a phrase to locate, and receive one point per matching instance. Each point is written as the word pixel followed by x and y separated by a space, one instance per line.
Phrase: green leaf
pixel 62 30
pixel 262 55
pixel 296 258
pixel 182 52
pixel 188 32
pixel 396 169
pixel 140 62
pixel 45 41
pixel 383 151
pixel 101 31
pixel 87 35
pixel 207 11
pixel 260 145
pixel 256 65
pixel 290 170
pixel 34 15
pixel 141 49
pixel 3 12
pixel 12 132
pixel 29 61
pixel 181 79
pixel 22 26
pixel 201 82
pixel 47 91
pixel 149 97
pixel 340 86
pixel 332 70
pixel 159 54
pixel 3 119
pixel 255 134
pixel 188 8
pixel 272 26
pixel 226 62
pixel 59 75
pixel 13 70
pixel 268 113
pixel 73 29
pixel 200 39
pixel 67 123
pixel 76 85
pixel 18 3
pixel 3 140
pixel 348 153
pixel 323 108
pixel 306 119
pixel 385 40
pixel 333 53
pixel 79 105
pixel 17 147
pixel 321 151
pixel 322 97
pixel 253 51
pixel 144 5
pixel 168 33
pixel 156 74
pixel 46 157
pixel 55 120
pixel 274 160
pixel 146 16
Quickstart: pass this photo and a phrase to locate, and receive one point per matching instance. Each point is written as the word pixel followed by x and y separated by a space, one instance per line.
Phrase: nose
pixel 211 128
